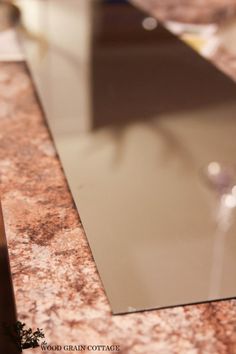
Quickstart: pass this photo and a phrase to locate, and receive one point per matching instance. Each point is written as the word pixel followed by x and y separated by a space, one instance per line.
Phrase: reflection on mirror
pixel 145 129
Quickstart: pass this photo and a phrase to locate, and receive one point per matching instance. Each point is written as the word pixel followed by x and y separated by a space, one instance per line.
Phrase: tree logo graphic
pixel 22 337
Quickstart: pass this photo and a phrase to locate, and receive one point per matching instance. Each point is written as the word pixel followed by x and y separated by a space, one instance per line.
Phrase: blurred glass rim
pixel 179 28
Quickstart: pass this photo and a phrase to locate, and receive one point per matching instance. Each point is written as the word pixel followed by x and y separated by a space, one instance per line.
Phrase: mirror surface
pixel 145 129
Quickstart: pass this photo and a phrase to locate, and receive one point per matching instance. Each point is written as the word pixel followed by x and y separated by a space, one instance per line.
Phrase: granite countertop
pixel 190 11
pixel 56 283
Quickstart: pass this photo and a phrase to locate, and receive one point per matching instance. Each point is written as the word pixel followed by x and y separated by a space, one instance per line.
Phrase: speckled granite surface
pixel 195 11
pixel 56 284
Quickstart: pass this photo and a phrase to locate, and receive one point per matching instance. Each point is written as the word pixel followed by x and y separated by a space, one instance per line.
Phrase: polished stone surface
pixel 194 11
pixel 56 284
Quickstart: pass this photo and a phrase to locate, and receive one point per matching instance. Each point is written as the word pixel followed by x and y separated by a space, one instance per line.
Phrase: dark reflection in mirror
pixel 139 73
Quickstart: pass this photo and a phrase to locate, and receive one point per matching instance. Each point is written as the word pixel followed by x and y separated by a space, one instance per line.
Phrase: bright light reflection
pixel 214 168
pixel 229 200
pixel 149 23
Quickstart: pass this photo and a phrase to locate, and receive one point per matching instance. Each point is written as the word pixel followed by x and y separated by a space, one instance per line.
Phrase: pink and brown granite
pixel 190 11
pixel 56 283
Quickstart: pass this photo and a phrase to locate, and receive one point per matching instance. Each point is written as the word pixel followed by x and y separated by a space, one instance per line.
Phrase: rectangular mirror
pixel 145 129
